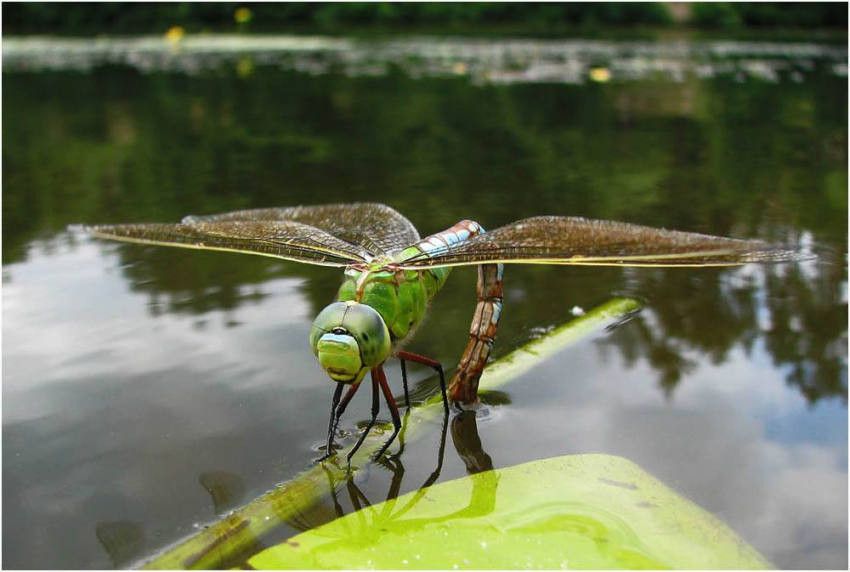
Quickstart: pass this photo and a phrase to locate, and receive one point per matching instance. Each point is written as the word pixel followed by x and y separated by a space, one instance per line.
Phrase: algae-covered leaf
pixel 579 511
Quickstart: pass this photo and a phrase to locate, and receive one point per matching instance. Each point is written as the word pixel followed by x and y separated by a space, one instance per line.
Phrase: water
pixel 147 391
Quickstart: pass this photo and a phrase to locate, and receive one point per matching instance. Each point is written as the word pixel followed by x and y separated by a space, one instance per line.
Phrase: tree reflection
pixel 798 313
pixel 752 159
pixel 808 329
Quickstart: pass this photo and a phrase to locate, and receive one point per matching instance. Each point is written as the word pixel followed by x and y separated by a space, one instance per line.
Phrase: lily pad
pixel 579 511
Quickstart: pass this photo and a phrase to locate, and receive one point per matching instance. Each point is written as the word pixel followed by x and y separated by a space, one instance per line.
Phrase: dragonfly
pixel 391 275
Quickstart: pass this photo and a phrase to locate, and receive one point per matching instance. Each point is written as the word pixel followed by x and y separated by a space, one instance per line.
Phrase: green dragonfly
pixel 391 274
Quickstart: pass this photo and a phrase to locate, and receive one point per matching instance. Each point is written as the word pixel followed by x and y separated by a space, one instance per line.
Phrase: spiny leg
pixel 332 423
pixel 388 396
pixel 336 413
pixel 376 406
pixel 404 383
pixel 403 355
pixel 401 434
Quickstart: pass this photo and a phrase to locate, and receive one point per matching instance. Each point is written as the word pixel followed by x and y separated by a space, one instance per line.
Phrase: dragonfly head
pixel 349 339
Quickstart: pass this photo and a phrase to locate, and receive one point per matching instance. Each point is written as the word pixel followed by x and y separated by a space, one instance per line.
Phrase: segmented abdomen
pixel 458 233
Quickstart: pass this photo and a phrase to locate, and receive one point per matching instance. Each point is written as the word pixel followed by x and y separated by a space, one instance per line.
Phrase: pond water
pixel 147 391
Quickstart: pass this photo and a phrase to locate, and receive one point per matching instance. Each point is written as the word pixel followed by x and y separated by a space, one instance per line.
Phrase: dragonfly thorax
pixel 349 339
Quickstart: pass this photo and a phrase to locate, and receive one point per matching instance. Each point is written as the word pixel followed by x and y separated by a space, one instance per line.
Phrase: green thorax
pixel 399 296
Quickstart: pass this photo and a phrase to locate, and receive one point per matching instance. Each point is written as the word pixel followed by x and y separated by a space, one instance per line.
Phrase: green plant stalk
pixel 212 547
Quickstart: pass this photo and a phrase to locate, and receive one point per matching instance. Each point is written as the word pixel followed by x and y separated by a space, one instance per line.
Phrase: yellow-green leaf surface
pixel 225 541
pixel 579 512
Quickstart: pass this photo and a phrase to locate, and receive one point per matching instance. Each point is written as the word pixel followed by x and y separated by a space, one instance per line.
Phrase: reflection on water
pixel 226 489
pixel 804 332
pixel 123 541
pixel 599 509
pixel 467 444
pixel 484 61
pixel 132 374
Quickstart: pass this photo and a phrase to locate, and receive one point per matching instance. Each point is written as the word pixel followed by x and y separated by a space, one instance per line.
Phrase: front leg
pixel 332 424
pixel 482 333
pixel 336 413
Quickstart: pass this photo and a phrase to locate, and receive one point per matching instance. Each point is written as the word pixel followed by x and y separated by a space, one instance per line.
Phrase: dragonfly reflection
pixel 467 443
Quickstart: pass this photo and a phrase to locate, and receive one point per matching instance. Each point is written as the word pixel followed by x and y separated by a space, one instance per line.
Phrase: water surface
pixel 147 391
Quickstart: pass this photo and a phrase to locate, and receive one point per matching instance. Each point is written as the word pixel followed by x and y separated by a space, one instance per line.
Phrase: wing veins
pixel 578 241
pixel 191 236
pixel 375 227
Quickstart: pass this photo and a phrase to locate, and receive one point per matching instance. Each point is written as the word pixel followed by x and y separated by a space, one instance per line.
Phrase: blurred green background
pixel 540 17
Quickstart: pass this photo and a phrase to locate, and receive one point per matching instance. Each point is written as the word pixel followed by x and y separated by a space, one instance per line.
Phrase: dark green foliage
pixel 769 14
pixel 716 15
pixel 117 17
pixel 136 17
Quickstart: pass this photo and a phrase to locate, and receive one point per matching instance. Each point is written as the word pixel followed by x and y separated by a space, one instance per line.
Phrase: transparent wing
pixel 376 227
pixel 279 239
pixel 579 241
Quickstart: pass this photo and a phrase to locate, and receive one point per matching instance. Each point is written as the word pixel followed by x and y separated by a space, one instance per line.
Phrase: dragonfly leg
pixel 401 434
pixel 388 396
pixel 482 334
pixel 404 383
pixel 403 355
pixel 345 401
pixel 336 413
pixel 332 423
pixel 376 406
